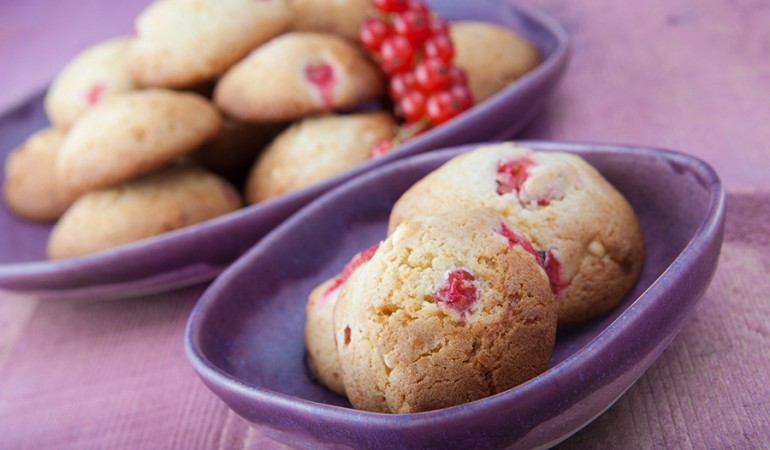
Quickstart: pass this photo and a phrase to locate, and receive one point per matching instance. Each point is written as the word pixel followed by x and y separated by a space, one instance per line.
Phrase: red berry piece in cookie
pixel 512 173
pixel 321 75
pixel 553 269
pixel 459 291
pixel 517 239
pixel 354 264
pixel 94 93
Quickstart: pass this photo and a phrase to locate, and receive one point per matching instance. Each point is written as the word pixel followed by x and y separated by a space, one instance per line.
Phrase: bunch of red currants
pixel 413 48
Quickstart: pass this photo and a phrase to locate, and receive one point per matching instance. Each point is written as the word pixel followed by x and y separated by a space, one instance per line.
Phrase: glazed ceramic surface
pixel 200 252
pixel 245 337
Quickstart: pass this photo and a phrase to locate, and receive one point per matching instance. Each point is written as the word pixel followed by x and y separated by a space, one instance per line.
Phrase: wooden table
pixel 689 75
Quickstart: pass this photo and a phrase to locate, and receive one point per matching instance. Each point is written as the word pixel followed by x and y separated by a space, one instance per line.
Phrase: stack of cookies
pixel 210 102
pixel 485 257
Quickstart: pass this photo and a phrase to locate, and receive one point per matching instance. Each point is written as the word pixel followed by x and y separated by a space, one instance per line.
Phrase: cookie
pixel 322 359
pixel 132 134
pixel 491 55
pixel 30 188
pixel 341 17
pixel 295 75
pixel 170 199
pixel 181 43
pixel 314 149
pixel 94 74
pixel 450 309
pixel 588 235
pixel 233 152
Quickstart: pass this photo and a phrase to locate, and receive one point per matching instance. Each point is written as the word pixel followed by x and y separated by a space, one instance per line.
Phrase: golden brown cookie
pixel 131 134
pixel 297 74
pixel 450 309
pixel 167 200
pixel 588 235
pixel 491 55
pixel 322 358
pixel 181 43
pixel 94 74
pixel 341 17
pixel 30 187
pixel 314 149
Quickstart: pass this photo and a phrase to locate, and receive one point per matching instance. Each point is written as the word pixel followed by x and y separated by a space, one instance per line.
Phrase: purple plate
pixel 199 253
pixel 245 336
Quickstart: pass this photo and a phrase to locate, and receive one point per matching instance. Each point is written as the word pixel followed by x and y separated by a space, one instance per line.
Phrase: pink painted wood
pixel 683 74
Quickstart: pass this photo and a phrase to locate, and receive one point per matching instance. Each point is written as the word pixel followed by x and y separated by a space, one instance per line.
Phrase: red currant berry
pixel 438 26
pixel 419 6
pixel 380 148
pixel 432 75
pixel 400 84
pixel 373 32
pixel 463 96
pixel 439 46
pixel 413 106
pixel 457 76
pixel 441 107
pixel 412 24
pixel 389 6
pixel 396 55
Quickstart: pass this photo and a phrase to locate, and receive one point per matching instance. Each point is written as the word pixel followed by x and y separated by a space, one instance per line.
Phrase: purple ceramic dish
pixel 245 336
pixel 199 253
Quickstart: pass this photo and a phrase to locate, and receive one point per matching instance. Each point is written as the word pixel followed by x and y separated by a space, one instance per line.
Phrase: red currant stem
pixel 410 132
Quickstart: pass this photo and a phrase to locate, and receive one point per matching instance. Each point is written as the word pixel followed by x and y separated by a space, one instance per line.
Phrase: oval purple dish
pixel 245 336
pixel 199 253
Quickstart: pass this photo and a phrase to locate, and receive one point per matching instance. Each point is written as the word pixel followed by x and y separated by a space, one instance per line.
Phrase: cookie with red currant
pixel 91 76
pixel 587 236
pixel 321 350
pixel 450 309
pixel 296 75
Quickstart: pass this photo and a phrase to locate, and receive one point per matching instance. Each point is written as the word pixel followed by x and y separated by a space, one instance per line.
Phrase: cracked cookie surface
pixel 447 311
pixel 587 234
